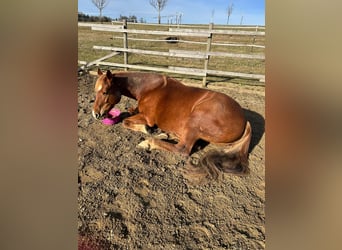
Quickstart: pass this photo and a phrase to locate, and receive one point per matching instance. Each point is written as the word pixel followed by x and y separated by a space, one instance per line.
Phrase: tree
pixel 159 6
pixel 229 11
pixel 86 18
pixel 212 15
pixel 132 19
pixel 100 4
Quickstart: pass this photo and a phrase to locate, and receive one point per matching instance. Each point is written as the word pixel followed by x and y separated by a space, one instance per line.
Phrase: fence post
pixel 125 43
pixel 206 60
pixel 254 37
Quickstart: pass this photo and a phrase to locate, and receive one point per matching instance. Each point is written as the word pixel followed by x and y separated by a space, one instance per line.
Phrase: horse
pixel 184 113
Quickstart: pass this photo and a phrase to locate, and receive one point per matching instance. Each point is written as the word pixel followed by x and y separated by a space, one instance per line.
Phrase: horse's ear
pixel 109 74
pixel 99 72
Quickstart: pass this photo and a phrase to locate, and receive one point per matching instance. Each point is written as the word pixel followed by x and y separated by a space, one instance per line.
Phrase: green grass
pixel 88 38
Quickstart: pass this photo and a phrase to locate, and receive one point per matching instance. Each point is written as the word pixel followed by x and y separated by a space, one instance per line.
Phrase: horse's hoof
pixel 144 144
pixel 162 136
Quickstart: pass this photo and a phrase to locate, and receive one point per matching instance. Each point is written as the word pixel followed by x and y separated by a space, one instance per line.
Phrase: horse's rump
pixel 233 158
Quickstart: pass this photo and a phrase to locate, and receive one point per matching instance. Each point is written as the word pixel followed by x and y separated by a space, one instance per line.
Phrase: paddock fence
pixel 185 44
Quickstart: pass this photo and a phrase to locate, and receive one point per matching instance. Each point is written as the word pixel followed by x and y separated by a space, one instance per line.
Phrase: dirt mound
pixel 130 198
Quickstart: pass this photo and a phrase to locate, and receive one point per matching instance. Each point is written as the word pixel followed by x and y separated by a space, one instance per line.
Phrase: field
pixel 88 38
pixel 130 198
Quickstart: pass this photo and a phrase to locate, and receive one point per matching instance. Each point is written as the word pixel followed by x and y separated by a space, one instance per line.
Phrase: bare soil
pixel 130 198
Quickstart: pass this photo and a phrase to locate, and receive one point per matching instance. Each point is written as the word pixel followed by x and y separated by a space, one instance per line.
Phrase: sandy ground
pixel 130 198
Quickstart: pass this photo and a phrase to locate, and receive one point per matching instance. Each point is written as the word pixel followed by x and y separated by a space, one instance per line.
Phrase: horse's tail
pixel 232 159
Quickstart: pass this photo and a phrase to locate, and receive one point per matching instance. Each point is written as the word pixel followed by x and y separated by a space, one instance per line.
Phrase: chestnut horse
pixel 186 113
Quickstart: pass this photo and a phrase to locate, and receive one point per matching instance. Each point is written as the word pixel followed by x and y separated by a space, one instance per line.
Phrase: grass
pixel 88 38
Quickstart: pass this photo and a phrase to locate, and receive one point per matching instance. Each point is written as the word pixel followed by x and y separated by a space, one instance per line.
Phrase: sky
pixel 250 12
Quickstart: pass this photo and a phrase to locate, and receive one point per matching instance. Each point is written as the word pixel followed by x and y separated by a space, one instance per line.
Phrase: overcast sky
pixel 193 11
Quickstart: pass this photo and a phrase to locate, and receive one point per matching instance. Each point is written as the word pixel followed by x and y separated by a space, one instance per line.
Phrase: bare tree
pixel 100 4
pixel 229 11
pixel 159 6
pixel 212 15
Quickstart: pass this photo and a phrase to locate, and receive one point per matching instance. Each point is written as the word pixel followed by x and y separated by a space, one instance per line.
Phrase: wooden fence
pixel 176 31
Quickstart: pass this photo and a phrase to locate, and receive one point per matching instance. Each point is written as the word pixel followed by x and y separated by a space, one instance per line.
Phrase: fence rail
pixel 224 32
pixel 256 27
pixel 195 42
pixel 177 32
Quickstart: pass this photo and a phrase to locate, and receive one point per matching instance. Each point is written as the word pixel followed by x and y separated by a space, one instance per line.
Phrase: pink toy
pixel 108 121
pixel 114 117
pixel 114 112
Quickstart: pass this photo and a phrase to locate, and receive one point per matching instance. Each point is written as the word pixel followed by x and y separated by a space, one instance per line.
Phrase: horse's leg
pixel 133 110
pixel 136 122
pixel 166 136
pixel 184 145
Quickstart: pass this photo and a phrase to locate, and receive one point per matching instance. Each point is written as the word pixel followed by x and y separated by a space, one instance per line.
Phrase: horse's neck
pixel 127 88
pixel 135 89
pixel 134 86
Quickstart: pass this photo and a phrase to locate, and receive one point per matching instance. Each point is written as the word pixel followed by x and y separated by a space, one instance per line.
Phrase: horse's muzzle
pixel 97 116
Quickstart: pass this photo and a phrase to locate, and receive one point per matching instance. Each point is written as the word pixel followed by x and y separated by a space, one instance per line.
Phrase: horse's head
pixel 107 95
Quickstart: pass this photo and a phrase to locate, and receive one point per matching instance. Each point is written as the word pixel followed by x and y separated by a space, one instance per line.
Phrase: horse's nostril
pixel 95 115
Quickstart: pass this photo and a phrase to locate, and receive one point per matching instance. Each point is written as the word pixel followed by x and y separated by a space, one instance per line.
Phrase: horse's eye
pixel 105 93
